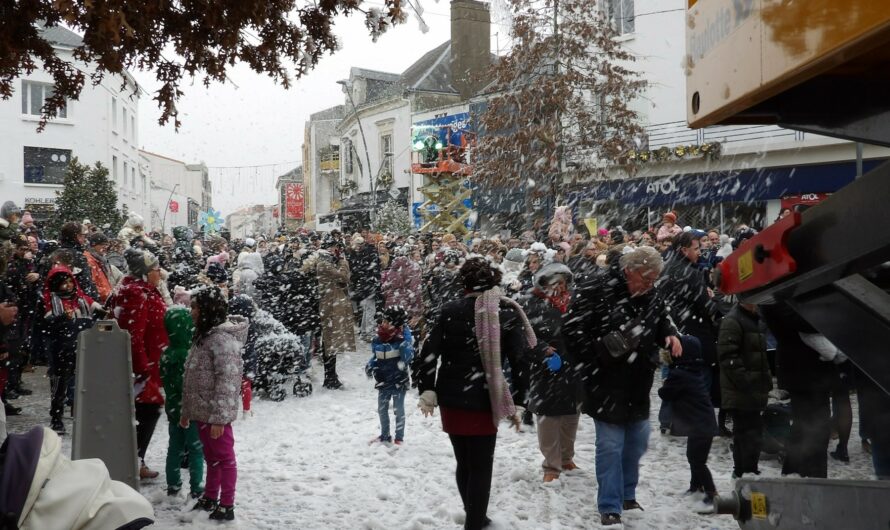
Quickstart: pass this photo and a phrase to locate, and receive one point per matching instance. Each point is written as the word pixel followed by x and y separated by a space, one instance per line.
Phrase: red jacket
pixel 138 307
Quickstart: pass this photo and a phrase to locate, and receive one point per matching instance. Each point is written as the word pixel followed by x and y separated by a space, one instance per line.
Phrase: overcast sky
pixel 251 121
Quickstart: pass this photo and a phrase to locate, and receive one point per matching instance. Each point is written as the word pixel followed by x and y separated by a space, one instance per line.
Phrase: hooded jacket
pixel 211 384
pixel 180 328
pixel 686 388
pixel 65 318
pixel 139 308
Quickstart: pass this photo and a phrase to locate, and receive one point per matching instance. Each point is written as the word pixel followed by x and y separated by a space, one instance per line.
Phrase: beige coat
pixel 334 307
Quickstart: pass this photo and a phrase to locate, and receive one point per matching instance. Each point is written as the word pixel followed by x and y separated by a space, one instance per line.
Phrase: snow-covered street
pixel 306 463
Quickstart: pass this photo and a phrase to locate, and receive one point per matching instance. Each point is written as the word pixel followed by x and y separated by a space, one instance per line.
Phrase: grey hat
pixel 548 273
pixel 9 208
pixel 516 255
pixel 140 262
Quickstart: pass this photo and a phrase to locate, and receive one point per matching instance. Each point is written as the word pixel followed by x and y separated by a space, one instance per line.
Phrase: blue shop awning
pixel 746 185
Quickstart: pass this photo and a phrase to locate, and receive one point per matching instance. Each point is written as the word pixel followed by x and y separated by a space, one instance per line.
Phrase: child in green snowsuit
pixel 180 328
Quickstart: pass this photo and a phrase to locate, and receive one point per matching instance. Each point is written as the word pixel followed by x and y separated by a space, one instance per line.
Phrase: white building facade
pixel 102 126
pixel 760 169
pixel 177 192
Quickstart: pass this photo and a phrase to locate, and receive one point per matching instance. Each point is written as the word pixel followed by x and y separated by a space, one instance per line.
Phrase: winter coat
pixel 666 232
pixel 686 389
pixel 8 230
pixel 133 228
pixel 211 384
pixel 65 318
pixel 300 298
pixel 402 285
pixel 798 367
pixel 615 390
pixel 549 393
pixel 365 266
pixel 685 294
pixel 26 294
pixel 459 380
pixel 334 307
pixel 71 494
pixel 442 286
pixel 99 269
pixel 249 269
pixel 139 308
pixel 745 378
pixel 390 361
pixel 180 328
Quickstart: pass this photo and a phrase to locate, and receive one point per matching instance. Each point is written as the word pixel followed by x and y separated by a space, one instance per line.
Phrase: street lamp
pixel 347 87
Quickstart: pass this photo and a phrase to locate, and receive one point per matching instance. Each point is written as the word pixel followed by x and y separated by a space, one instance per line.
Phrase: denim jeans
pixel 398 405
pixel 619 448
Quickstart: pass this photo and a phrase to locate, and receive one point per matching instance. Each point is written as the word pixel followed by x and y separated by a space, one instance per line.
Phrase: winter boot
pixel 632 505
pixel 205 505
pixel 331 381
pixel 57 425
pixel 840 454
pixel 223 513
pixel 610 519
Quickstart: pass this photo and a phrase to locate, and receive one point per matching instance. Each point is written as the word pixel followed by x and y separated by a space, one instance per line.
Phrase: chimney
pixel 470 45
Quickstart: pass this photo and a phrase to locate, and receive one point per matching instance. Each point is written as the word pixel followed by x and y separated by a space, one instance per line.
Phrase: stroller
pixel 41 488
pixel 282 357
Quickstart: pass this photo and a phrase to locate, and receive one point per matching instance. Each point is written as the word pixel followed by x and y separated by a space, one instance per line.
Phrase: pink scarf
pixel 488 335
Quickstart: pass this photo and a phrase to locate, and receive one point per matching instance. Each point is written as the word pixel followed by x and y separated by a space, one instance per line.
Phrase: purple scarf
pixel 488 335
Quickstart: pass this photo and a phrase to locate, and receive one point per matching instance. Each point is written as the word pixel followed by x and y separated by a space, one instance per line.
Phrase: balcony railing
pixel 677 133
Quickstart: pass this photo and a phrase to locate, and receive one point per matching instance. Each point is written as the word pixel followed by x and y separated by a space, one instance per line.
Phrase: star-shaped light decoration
pixel 210 220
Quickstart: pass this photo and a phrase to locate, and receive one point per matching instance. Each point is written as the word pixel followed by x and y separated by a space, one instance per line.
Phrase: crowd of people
pixel 536 330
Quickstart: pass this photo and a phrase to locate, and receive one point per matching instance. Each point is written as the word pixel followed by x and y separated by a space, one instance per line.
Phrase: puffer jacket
pixel 139 308
pixel 745 378
pixel 180 328
pixel 390 361
pixel 211 384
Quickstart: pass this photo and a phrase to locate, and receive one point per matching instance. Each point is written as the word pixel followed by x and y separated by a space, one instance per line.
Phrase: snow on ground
pixel 306 463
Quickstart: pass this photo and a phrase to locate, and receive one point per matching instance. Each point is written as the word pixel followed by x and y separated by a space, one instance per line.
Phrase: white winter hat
pixel 250 242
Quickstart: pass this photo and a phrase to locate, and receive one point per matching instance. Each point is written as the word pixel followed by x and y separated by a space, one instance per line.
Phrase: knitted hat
pixel 217 273
pixel 27 219
pixel 250 242
pixel 97 238
pixel 670 216
pixel 139 262
pixel 181 296
pixel 548 273
pixel 692 353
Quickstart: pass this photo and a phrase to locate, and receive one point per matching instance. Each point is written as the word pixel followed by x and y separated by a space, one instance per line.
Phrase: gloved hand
pixel 369 368
pixel 427 402
pixel 553 362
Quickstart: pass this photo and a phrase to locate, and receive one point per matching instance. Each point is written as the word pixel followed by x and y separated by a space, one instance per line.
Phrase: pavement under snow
pixel 306 463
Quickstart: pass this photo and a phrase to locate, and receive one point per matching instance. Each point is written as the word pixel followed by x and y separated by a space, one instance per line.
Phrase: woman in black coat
pixel 467 382
pixel 552 384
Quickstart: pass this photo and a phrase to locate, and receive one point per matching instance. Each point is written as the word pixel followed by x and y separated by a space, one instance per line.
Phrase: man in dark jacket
pixel 745 382
pixel 365 266
pixel 689 302
pixel 614 328
pixel 23 279
pixel 808 379
pixel 72 238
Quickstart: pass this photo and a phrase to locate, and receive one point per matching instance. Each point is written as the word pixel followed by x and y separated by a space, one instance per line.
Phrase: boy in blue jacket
pixel 693 416
pixel 391 353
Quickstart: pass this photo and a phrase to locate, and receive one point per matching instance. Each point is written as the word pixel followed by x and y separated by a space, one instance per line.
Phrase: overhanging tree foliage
pixel 560 99
pixel 88 193
pixel 173 38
